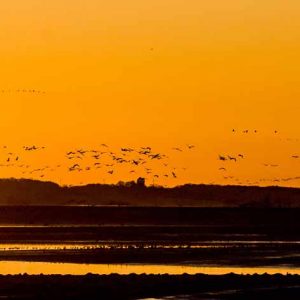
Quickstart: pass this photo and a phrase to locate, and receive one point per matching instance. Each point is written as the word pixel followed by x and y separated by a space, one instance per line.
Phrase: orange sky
pixel 153 73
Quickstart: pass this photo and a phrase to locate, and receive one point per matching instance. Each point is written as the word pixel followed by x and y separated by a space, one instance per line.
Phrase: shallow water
pixel 47 246
pixel 126 244
pixel 35 268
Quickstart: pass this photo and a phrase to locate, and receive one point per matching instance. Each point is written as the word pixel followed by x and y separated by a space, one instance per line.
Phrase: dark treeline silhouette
pixel 32 192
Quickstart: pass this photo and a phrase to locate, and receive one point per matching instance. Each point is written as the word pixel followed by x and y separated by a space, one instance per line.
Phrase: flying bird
pixel 70 153
pixel 155 156
pixel 232 158
pixel 127 149
pixel 72 168
pixel 191 146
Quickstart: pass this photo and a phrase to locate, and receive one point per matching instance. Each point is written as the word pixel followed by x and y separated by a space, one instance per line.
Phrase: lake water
pixel 35 268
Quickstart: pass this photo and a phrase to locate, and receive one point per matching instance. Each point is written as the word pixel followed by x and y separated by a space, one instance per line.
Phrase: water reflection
pixel 35 268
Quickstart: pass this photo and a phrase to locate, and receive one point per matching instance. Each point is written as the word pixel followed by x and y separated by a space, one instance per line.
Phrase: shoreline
pixel 134 286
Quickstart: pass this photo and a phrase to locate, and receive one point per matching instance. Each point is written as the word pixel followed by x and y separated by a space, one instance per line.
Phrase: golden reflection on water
pixel 35 268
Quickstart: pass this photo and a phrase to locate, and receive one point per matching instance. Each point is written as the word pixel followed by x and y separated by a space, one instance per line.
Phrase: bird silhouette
pixel 71 153
pixel 127 149
pixel 177 149
pixel 155 156
pixel 190 146
pixel 232 158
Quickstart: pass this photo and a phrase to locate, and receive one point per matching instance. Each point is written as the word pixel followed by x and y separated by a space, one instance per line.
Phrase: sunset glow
pixel 160 74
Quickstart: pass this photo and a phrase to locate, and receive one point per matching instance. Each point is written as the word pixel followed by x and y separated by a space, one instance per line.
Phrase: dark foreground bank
pixel 133 286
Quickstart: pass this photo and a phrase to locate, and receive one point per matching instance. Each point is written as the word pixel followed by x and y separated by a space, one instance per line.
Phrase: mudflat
pixel 133 286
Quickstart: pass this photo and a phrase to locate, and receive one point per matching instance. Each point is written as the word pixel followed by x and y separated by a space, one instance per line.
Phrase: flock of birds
pixel 23 91
pixel 138 162
pixel 245 131
pixel 235 158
